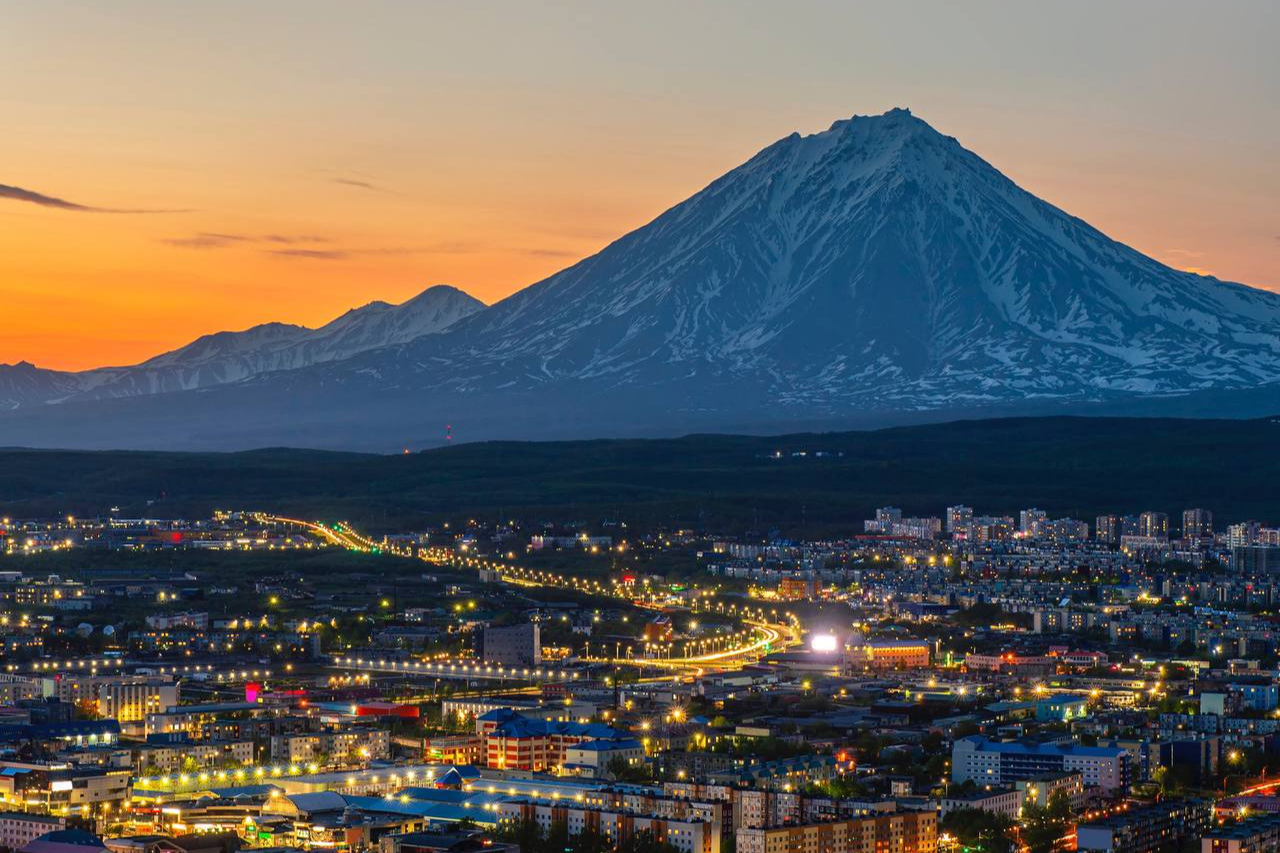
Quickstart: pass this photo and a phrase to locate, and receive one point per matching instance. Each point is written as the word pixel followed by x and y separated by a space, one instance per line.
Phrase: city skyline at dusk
pixel 169 174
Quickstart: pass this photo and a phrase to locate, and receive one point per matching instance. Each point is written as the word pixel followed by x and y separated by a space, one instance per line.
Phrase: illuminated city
pixel 668 427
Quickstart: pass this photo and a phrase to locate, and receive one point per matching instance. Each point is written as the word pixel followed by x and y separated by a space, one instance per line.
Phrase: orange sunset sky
pixel 174 169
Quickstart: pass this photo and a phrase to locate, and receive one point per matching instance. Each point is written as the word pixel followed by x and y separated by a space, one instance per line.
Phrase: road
pixel 765 634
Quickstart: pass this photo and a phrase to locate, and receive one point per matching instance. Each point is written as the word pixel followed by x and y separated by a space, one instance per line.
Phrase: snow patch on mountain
pixel 225 357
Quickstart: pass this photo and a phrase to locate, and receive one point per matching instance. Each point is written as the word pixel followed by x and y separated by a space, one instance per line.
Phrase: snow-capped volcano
pixel 876 264
pixel 875 272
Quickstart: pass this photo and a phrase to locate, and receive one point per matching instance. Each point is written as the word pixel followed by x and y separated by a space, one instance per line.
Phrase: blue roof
pixel 425 809
pixel 458 774
pixel 244 791
pixel 439 795
pixel 75 728
pixel 78 837
pixel 512 724
pixel 607 745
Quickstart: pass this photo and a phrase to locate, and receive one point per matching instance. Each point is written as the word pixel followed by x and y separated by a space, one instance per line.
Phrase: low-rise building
pixel 1006 802
pixel 1259 835
pixel 17 829
pixel 1150 829
pixel 861 654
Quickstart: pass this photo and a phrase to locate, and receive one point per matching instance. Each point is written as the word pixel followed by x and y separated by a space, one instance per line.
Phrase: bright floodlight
pixel 823 642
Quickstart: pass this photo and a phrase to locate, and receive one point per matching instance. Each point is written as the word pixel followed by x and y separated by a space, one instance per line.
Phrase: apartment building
pixel 989 762
pixel 125 698
pixel 515 742
pixel 161 758
pixel 17 829
pixel 1151 829
pixel 688 835
pixel 306 747
pixel 901 832
pixel 1259 835
pixel 519 645
pixel 131 700
pixel 1006 802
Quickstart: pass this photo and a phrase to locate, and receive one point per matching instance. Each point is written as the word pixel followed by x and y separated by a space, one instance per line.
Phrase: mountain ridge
pixel 874 271
pixel 229 356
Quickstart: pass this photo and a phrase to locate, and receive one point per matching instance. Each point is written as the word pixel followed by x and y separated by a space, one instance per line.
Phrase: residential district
pixel 962 682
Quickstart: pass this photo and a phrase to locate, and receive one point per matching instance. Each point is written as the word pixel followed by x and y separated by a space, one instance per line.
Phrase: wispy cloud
pixel 205 240
pixel 311 254
pixel 33 197
pixel 222 240
pixel 359 184
pixel 291 239
pixel 337 254
pixel 314 247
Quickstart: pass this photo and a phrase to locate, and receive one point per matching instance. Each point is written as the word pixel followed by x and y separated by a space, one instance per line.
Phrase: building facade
pixel 900 832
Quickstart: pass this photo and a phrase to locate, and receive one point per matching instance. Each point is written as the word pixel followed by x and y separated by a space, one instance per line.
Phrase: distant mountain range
pixel 226 357
pixel 874 273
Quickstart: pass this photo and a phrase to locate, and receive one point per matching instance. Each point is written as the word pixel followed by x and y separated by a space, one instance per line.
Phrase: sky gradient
pixel 169 170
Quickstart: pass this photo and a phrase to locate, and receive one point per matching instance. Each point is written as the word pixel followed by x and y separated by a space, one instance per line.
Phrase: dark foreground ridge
pixel 820 482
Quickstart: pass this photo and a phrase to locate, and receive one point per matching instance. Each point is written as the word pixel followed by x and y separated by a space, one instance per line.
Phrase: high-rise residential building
pixel 992 529
pixel 1129 526
pixel 519 645
pixel 1243 534
pixel 1063 530
pixel 1029 521
pixel 1196 523
pixel 1255 559
pixel 1154 525
pixel 1107 529
pixel 886 518
pixel 917 528
pixel 959 520
pixel 888 514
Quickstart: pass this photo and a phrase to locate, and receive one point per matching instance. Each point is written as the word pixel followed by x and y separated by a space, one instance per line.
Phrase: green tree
pixel 1043 826
pixel 644 841
pixel 983 830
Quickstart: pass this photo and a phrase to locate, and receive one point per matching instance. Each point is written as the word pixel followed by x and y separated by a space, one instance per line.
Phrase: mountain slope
pixel 878 263
pixel 876 272
pixel 225 357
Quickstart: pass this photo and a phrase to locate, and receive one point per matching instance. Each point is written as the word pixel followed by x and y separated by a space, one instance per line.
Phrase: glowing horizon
pixel 167 173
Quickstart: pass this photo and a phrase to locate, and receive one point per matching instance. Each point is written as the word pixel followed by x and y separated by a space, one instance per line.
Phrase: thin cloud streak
pixel 311 254
pixel 363 185
pixel 20 194
pixel 318 248
pixel 220 240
